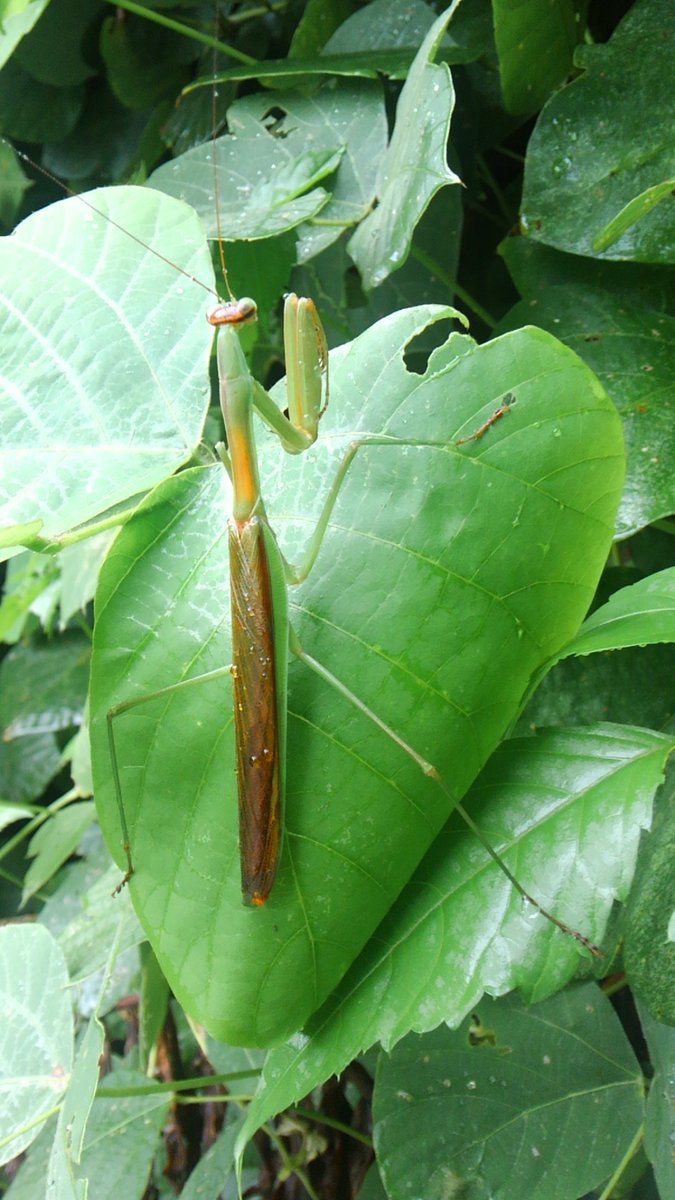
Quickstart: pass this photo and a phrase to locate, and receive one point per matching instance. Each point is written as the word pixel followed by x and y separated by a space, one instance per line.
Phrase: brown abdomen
pixel 255 710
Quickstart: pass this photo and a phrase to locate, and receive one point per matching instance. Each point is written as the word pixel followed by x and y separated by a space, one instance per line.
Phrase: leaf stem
pixel 332 1123
pixel 186 30
pixel 38 820
pixel 467 299
pixel 176 1085
pixel 630 1154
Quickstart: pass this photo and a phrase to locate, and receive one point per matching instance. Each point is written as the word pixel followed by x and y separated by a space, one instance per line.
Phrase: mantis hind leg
pixel 117 711
pixel 431 772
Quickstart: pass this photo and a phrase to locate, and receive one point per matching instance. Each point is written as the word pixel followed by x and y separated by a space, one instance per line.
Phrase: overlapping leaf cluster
pixel 449 594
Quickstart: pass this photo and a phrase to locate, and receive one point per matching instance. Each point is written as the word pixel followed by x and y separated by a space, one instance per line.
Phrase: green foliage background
pixel 391 159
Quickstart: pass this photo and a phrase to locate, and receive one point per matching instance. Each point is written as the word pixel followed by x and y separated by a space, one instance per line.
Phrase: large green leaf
pixel 630 348
pixel 447 576
pixel 103 383
pixel 500 1107
pixel 593 152
pixel 565 810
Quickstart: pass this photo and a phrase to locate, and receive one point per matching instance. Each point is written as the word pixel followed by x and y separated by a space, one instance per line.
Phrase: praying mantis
pixel 414 604
pixel 259 577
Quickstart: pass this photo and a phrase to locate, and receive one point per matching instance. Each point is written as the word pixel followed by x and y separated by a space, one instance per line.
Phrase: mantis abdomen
pixel 259 725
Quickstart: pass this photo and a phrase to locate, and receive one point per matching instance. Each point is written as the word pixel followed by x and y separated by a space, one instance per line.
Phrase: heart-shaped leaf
pixel 447 575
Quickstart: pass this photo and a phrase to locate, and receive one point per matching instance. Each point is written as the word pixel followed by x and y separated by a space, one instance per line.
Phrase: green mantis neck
pixel 236 403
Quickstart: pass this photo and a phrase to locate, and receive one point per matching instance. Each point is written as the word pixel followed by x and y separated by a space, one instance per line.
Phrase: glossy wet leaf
pixel 391 29
pixel 502 1105
pixel 389 24
pixel 341 113
pixel 434 597
pixel 634 616
pixel 414 166
pixel 534 44
pixel 592 151
pixel 630 348
pixel 649 952
pixel 565 809
pixel 106 347
pixel 263 188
